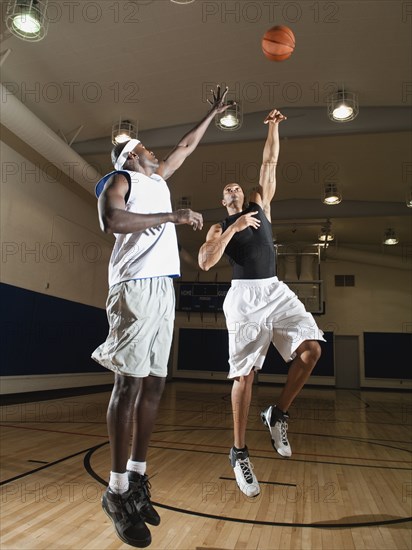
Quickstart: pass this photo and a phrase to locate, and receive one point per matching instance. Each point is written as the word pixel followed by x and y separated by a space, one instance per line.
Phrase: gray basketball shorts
pixel 141 316
pixel 261 311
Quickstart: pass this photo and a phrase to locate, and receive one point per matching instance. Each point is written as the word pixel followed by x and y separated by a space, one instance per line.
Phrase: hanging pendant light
pixel 27 19
pixel 331 194
pixel 123 131
pixel 232 118
pixel 390 238
pixel 343 106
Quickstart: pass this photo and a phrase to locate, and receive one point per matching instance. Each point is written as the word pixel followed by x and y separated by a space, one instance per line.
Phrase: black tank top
pixel 251 251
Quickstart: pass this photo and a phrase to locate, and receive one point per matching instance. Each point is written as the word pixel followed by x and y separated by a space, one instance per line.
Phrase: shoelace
pixel 246 468
pixel 283 430
pixel 146 486
pixel 128 510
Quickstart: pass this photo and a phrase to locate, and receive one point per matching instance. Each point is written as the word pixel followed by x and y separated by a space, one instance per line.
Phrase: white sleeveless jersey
pixel 153 252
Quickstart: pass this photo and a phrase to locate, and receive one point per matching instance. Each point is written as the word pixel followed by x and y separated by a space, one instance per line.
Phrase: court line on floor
pixel 316 525
pixel 274 457
pixel 50 464
pixel 64 432
pixel 290 459
pixel 294 453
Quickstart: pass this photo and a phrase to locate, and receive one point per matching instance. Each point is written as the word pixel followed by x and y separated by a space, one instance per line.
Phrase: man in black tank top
pixel 259 309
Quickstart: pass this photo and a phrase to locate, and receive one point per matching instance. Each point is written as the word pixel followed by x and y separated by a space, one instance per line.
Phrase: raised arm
pixel 114 218
pixel 217 240
pixel 190 141
pixel 267 180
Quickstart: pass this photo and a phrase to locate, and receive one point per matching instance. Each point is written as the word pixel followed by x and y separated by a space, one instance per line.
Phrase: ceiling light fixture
pixel 123 131
pixel 331 194
pixel 390 237
pixel 326 234
pixel 323 236
pixel 409 197
pixel 343 106
pixel 27 19
pixel 232 118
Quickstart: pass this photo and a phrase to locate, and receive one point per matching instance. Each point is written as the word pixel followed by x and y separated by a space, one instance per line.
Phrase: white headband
pixel 130 145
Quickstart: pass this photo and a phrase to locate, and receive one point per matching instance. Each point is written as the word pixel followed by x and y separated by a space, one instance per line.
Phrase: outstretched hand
pixel 218 104
pixel 275 117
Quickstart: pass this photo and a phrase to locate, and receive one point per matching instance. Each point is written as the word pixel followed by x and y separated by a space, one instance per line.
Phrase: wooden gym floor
pixel 348 484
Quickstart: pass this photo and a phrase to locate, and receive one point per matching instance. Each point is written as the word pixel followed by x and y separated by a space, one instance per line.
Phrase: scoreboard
pixel 201 297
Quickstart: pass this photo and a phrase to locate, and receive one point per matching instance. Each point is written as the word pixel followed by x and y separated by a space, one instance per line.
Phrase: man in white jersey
pixel 259 309
pixel 134 205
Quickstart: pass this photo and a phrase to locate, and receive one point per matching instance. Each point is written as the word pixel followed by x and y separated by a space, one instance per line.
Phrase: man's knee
pixel 245 381
pixel 249 379
pixel 153 386
pixel 126 387
pixel 315 351
pixel 309 353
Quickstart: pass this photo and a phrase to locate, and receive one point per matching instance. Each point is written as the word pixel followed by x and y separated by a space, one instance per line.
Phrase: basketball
pixel 278 43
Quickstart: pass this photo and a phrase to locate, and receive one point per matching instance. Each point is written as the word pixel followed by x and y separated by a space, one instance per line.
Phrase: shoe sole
pixel 279 451
pixel 136 544
pixel 246 493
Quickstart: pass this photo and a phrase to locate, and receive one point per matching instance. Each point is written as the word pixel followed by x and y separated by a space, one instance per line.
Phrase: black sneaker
pixel 128 524
pixel 140 486
pixel 274 419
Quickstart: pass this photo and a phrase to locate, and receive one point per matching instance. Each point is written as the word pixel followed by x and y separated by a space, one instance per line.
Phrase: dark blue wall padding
pixel 387 355
pixel 203 350
pixel 274 364
pixel 41 334
pixel 207 350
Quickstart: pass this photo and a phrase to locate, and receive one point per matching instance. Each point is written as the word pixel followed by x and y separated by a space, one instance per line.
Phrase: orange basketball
pixel 278 43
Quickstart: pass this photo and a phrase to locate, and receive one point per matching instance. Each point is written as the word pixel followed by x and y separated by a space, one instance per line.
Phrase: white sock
pixel 118 483
pixel 134 466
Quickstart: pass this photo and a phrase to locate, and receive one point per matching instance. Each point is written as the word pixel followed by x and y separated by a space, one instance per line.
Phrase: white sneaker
pixel 278 431
pixel 245 478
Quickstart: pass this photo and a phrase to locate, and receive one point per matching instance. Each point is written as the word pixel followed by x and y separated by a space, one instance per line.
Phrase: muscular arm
pixel 114 218
pixel 190 141
pixel 184 148
pixel 267 181
pixel 217 240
